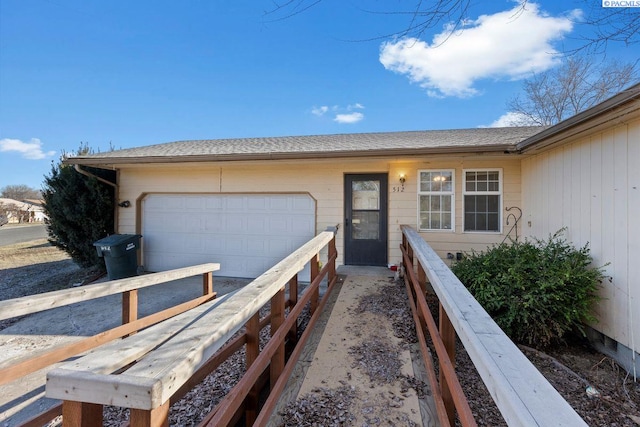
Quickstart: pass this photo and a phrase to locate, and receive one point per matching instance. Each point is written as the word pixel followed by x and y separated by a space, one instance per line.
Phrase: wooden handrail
pixel 227 407
pixel 421 314
pixel 10 370
pixel 280 385
pixel 33 364
pixel 521 393
pixel 41 302
pixel 147 387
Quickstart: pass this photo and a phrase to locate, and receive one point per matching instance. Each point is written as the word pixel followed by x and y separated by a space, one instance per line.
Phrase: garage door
pixel 246 233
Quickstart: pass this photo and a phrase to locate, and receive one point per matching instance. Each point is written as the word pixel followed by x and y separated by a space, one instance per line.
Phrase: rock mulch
pixel 571 369
pixel 332 406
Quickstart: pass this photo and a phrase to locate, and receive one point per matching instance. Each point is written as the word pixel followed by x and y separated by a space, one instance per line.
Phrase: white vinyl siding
pixel 591 188
pixel 482 200
pixel 436 200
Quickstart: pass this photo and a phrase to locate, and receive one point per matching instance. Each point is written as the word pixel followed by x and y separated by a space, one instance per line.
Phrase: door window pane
pixel 365 195
pixel 365 225
pixel 365 199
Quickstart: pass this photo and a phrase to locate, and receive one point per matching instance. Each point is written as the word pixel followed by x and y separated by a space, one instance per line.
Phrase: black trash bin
pixel 120 252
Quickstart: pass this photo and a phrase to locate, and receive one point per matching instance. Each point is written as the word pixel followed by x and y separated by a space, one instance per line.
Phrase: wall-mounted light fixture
pixel 124 204
pixel 402 178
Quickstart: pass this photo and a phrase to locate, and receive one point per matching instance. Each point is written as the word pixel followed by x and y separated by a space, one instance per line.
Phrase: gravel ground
pixel 570 369
pixel 36 267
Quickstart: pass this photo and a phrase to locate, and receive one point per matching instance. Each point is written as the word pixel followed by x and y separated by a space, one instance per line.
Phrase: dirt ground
pixel 572 370
pixel 36 267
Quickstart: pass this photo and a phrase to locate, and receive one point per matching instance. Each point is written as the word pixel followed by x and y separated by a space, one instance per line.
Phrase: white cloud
pixel 320 111
pixel 31 150
pixel 510 44
pixel 341 114
pixel 349 118
pixel 512 119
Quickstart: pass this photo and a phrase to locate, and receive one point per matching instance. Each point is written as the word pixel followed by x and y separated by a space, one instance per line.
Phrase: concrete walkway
pixel 331 361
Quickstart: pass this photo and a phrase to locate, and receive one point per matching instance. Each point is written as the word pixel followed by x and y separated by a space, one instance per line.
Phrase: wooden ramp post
pixel 251 353
pixel 157 417
pixel 79 414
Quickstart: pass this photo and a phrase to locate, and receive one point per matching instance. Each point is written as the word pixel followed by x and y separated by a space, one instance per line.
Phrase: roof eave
pixel 615 107
pixel 103 161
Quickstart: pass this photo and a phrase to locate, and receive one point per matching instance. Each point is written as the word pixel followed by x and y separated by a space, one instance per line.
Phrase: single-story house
pixel 22 211
pixel 248 202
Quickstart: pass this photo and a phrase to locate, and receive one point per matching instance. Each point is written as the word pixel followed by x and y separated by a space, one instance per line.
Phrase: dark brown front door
pixel 365 201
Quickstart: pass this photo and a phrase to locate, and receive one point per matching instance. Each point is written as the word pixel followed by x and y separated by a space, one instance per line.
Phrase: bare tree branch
pixel 423 16
pixel 578 84
pixel 296 6
pixel 608 25
pixel 604 25
pixel 19 192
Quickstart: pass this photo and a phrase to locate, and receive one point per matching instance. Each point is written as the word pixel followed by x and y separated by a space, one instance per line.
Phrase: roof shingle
pixel 459 140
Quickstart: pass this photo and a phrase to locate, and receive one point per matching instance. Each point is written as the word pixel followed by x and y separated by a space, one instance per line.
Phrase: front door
pixel 365 234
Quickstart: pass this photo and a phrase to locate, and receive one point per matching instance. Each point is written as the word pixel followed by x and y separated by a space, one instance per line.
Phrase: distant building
pixel 25 211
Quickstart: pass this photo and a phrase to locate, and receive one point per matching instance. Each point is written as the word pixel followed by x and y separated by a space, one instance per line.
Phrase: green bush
pixel 537 292
pixel 80 210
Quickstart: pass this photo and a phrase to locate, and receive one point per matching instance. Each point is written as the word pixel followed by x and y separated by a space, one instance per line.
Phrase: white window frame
pixel 481 193
pixel 451 194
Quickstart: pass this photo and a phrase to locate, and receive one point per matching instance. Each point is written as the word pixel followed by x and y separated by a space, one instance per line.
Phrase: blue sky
pixel 131 73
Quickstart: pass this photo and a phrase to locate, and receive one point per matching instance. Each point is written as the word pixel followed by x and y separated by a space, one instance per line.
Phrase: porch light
pixel 403 178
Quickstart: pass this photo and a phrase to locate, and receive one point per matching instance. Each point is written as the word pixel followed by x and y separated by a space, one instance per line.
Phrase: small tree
pixel 537 292
pixel 80 210
pixel 580 83
pixel 19 192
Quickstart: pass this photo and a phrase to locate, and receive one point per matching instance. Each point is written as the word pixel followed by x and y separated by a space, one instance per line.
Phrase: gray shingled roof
pixel 349 145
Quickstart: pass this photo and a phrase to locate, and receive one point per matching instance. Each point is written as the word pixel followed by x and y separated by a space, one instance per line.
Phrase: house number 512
pixel 398 189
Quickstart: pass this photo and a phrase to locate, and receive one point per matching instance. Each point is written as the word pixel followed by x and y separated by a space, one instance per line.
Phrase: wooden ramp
pixel 359 365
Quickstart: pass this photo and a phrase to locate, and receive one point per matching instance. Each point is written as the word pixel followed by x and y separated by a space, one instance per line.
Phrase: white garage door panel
pixel 246 233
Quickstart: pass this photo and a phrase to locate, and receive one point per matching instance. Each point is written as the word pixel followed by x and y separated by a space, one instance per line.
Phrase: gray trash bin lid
pixel 117 244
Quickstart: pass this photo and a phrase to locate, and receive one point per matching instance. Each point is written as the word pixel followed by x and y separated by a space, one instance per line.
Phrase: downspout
pixel 114 185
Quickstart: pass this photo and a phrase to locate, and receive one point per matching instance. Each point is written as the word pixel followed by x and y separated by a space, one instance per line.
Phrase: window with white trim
pixel 482 199
pixel 436 200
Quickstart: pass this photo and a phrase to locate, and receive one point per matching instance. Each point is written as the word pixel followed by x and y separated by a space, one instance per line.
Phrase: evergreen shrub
pixel 537 291
pixel 80 210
